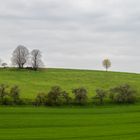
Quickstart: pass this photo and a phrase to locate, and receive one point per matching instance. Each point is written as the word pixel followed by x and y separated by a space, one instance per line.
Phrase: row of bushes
pixel 119 94
pixel 56 96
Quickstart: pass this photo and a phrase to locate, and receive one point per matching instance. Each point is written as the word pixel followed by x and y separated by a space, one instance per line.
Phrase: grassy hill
pixel 108 122
pixel 31 82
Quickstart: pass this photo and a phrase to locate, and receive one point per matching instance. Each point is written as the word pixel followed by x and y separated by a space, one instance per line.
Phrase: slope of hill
pixel 31 82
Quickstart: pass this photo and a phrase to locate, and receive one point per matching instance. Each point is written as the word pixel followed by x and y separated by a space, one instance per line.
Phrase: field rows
pixel 100 123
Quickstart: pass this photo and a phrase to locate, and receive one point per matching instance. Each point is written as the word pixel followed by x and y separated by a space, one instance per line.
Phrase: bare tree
pixel 106 64
pixel 36 60
pixel 20 56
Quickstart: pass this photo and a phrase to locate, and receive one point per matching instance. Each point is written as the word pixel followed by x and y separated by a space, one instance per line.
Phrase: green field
pixel 108 122
pixel 94 123
pixel 31 82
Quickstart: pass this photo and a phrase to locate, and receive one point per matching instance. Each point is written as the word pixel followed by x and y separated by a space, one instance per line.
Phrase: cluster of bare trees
pixel 21 57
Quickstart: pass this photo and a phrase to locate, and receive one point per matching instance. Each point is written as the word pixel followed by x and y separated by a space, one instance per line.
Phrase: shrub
pixel 3 92
pixel 15 94
pixel 65 97
pixel 100 95
pixel 123 94
pixel 41 99
pixel 7 100
pixel 54 96
pixel 80 95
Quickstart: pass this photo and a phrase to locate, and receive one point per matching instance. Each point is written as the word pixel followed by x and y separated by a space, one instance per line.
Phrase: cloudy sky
pixel 74 33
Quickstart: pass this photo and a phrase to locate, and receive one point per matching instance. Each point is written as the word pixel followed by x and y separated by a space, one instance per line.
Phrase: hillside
pixel 31 82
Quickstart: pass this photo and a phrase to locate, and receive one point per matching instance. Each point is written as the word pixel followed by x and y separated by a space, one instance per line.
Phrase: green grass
pixel 31 82
pixel 94 123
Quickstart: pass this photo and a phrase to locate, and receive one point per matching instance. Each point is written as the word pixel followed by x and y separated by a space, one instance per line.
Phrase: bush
pixel 100 95
pixel 65 97
pixel 15 94
pixel 80 95
pixel 54 96
pixel 7 100
pixel 41 99
pixel 123 94
pixel 3 92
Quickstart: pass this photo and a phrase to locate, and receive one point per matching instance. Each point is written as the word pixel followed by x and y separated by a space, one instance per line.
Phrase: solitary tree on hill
pixel 106 64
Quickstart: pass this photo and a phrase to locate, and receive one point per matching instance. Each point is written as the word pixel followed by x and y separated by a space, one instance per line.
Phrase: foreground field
pixel 31 82
pixel 100 123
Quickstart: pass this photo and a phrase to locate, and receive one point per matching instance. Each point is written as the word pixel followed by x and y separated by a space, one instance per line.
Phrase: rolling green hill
pixel 31 82
pixel 108 122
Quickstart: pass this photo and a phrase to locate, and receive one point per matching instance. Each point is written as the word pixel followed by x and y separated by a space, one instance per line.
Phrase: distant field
pixel 97 123
pixel 31 82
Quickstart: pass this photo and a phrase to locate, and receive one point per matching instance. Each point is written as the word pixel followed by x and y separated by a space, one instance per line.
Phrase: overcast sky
pixel 74 33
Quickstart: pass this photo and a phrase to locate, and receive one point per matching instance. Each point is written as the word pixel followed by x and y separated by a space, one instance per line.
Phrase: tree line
pixel 122 94
pixel 21 57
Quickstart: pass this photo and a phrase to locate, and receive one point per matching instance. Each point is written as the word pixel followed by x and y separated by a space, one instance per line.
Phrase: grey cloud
pixel 74 33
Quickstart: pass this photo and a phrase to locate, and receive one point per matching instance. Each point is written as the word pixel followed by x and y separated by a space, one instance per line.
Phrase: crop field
pixel 31 82
pixel 78 123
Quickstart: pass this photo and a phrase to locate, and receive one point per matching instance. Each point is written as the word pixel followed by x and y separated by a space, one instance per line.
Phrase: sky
pixel 74 33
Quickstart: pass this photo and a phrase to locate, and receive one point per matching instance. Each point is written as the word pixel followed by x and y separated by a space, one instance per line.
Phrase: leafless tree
pixel 36 59
pixel 20 56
